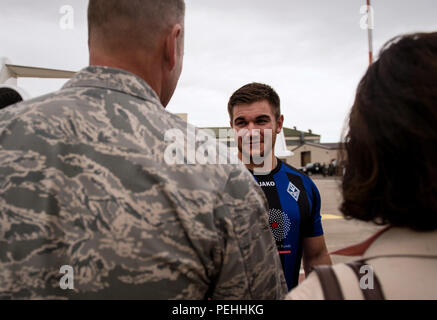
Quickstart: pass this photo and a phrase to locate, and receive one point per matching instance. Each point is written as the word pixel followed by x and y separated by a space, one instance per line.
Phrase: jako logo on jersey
pixel 267 184
pixel 293 191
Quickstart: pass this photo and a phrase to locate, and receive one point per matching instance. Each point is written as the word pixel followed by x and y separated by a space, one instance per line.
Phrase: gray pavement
pixel 339 232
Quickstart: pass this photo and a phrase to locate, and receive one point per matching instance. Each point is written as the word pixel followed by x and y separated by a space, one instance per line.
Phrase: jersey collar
pixel 115 79
pixel 360 248
pixel 275 170
pixel 391 241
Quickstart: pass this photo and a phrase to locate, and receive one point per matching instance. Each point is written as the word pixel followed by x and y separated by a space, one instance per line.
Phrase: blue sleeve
pixel 316 218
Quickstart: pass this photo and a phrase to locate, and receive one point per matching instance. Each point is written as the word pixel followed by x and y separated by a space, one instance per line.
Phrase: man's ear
pixel 232 124
pixel 279 124
pixel 172 46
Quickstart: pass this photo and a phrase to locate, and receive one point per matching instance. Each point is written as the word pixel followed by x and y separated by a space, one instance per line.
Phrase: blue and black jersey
pixel 294 202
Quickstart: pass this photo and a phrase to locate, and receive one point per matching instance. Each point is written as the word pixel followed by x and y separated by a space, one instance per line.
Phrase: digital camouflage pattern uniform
pixel 84 183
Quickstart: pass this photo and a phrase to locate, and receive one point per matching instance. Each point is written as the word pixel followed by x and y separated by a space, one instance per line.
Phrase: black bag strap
pixel 369 294
pixel 330 285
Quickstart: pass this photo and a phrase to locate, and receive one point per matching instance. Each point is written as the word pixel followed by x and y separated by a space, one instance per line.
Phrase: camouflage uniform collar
pixel 115 79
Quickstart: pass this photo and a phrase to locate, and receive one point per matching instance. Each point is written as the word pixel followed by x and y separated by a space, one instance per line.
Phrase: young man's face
pixel 256 128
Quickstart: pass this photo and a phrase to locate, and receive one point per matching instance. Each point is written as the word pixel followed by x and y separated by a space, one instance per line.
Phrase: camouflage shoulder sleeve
pixel 250 265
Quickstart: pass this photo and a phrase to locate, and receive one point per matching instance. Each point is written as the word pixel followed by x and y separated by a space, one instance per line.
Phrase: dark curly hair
pixel 391 146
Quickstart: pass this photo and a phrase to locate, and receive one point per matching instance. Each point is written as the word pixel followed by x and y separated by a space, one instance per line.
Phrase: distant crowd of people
pixel 85 188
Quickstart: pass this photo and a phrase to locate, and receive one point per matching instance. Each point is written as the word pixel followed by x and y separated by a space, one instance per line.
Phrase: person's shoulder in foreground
pixel 88 182
pixel 400 260
pixel 215 213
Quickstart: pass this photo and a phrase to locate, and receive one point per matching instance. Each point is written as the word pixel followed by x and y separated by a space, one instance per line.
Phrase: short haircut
pixel 255 92
pixel 139 21
pixel 391 161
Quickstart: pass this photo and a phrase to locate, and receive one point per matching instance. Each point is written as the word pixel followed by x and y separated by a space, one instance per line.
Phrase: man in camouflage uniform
pixel 84 182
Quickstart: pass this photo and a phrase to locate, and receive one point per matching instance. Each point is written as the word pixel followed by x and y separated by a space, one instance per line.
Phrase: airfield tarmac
pixel 339 232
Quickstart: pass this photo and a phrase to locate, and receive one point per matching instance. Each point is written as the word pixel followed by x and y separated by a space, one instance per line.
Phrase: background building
pixel 294 137
pixel 309 152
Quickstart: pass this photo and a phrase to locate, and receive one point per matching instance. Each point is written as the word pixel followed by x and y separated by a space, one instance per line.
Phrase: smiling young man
pixel 293 198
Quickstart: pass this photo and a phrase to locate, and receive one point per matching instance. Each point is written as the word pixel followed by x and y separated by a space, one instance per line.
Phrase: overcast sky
pixel 312 52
